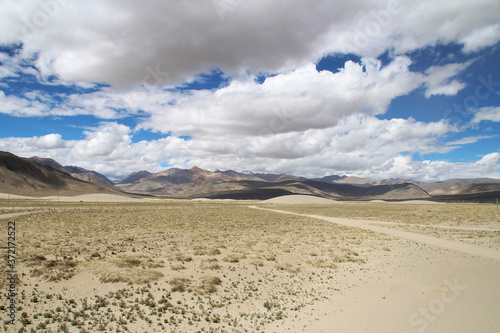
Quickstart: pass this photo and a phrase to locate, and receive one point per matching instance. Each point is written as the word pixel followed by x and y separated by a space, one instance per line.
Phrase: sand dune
pixel 13 196
pixel 408 202
pixel 96 197
pixel 300 200
pixel 419 202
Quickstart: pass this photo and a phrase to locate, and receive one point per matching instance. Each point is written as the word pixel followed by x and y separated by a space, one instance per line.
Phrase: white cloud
pixel 49 141
pixel 93 41
pixel 357 145
pixel 21 107
pixel 487 114
pixel 298 100
pixel 109 140
pixel 295 101
pixel 481 37
pixel 300 121
pixel 488 164
pixel 439 79
pixel 469 140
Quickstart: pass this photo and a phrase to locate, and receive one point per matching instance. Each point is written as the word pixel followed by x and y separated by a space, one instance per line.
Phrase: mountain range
pixel 44 176
pixel 26 177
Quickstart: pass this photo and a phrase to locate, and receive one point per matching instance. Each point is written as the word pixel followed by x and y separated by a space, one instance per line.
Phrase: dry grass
pixel 177 266
pixel 449 214
pixel 51 270
pixel 448 221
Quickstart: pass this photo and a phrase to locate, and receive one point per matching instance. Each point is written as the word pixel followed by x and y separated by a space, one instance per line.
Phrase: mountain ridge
pixel 196 182
pixel 23 176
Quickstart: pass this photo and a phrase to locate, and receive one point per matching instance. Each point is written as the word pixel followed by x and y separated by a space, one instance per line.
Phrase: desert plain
pixel 102 263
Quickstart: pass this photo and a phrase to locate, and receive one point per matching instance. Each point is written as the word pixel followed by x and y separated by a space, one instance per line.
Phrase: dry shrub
pixel 203 251
pixel 258 263
pixel 120 270
pixel 322 263
pixel 233 258
pixel 183 257
pixel 52 270
pixel 208 284
pixel 287 267
pixel 177 267
pixel 270 257
pixel 130 276
pixel 179 284
pixel 127 262
pixel 210 264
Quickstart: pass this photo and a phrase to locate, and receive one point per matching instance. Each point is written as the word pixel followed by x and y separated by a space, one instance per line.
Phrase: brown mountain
pixel 77 172
pixel 24 177
pixel 196 182
pixel 185 183
pixel 133 177
pixel 456 186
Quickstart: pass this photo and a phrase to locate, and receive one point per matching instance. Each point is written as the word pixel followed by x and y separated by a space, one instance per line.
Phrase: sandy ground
pixel 419 238
pixel 425 284
pixel 421 284
pixel 300 200
pixel 95 197
pixel 414 288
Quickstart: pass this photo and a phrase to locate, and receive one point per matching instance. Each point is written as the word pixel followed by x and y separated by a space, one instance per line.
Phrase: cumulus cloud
pixel 21 107
pixel 48 145
pixel 299 121
pixel 357 144
pixel 298 100
pixel 174 40
pixel 439 79
pixel 486 114
pixel 292 101
pixel 481 37
pixel 49 141
pixel 109 140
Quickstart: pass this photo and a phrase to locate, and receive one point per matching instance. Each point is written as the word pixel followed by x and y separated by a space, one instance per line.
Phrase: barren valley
pixel 224 266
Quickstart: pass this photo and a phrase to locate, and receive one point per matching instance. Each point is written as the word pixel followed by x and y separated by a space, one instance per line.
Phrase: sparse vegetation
pixel 198 266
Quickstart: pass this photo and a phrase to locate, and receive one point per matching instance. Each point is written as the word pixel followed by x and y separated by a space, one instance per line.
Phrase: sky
pixel 376 89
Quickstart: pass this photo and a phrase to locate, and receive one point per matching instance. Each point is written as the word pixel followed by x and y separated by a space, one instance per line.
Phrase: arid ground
pixel 247 266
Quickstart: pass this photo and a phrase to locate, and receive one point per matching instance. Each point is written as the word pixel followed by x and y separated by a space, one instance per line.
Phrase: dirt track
pixel 429 240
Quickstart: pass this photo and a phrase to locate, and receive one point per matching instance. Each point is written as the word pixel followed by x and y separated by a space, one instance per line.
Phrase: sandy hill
pixel 300 200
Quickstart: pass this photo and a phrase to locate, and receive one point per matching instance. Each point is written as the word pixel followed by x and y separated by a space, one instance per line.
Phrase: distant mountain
pixel 353 180
pixel 456 186
pixel 186 182
pixel 133 177
pixel 48 162
pixel 198 183
pixel 26 177
pixel 330 179
pixel 269 177
pixel 77 172
pixel 89 175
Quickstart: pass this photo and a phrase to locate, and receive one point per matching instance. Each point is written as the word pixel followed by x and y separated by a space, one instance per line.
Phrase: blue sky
pixel 375 89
